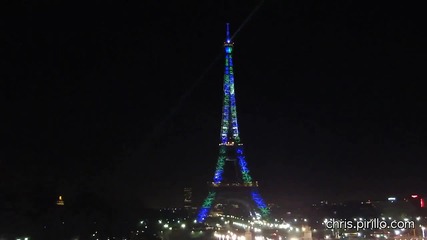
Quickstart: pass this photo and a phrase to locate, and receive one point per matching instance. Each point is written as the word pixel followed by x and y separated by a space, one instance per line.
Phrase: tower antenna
pixel 228 38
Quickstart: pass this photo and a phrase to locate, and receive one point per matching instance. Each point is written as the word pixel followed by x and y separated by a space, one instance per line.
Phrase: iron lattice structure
pixel 231 153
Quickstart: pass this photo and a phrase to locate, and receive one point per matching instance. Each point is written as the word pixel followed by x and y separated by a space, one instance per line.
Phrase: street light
pixel 423 231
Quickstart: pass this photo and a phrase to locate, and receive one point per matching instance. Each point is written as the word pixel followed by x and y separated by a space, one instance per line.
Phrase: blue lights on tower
pixel 260 202
pixel 202 214
pixel 220 165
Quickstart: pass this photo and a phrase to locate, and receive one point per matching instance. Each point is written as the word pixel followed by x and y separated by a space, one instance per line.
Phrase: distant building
pixel 187 198
pixel 60 201
pixel 417 200
pixel 402 206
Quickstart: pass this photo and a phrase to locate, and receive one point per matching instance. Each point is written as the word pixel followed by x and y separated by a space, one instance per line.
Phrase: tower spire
pixel 229 126
pixel 228 37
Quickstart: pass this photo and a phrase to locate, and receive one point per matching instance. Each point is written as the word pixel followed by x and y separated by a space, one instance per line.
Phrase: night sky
pixel 122 100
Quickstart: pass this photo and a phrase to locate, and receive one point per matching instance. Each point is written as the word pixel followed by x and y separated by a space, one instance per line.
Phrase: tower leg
pixel 265 212
pixel 206 207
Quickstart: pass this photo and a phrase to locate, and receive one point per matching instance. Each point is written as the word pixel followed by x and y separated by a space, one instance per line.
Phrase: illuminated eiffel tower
pixel 233 191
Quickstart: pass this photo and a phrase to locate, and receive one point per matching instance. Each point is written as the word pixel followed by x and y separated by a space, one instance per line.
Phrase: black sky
pixel 107 97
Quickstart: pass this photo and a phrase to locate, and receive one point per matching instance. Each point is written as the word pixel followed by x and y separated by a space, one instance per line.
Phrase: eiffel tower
pixel 232 191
